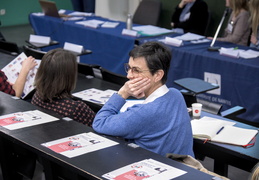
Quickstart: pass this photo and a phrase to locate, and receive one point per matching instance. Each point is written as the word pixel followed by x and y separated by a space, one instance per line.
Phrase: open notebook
pixel 221 131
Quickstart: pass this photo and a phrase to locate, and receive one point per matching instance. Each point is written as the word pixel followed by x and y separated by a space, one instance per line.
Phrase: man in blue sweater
pixel 161 123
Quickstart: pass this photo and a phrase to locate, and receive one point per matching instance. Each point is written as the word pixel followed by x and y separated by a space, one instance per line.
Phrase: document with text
pixel 25 119
pixel 79 144
pixel 146 169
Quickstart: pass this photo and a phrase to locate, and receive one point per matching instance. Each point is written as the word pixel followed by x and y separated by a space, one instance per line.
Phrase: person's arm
pixel 27 65
pixel 254 40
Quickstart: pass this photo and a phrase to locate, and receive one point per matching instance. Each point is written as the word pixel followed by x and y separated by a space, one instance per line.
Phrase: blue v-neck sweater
pixel 162 126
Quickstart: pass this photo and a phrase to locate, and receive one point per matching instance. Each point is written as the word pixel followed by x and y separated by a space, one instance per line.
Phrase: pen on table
pixel 220 130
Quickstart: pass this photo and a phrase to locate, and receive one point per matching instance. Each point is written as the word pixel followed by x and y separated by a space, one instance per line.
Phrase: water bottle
pixel 129 22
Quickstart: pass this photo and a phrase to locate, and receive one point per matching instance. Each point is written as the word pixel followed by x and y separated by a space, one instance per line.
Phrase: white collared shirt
pixel 156 94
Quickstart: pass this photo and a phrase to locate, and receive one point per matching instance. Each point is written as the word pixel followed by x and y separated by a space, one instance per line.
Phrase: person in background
pixel 54 82
pixel 238 29
pixel 161 123
pixel 254 19
pixel 84 5
pixel 16 89
pixel 191 16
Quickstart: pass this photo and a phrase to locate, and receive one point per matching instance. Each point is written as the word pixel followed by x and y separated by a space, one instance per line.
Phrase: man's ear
pixel 158 75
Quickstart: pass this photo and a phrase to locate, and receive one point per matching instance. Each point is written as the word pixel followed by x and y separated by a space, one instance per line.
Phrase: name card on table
pixel 78 49
pixel 231 52
pixel 44 40
pixel 129 32
pixel 173 41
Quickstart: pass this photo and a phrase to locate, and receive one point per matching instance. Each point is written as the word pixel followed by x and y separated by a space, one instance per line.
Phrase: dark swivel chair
pixel 87 69
pixel 113 77
pixel 147 13
pixel 30 51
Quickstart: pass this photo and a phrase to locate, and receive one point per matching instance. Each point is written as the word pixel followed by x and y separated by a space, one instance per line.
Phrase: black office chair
pixel 30 51
pixel 147 13
pixel 87 69
pixel 208 24
pixel 210 107
pixel 9 48
pixel 194 86
pixel 113 77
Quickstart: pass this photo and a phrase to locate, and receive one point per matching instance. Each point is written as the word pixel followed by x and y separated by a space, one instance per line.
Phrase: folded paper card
pixel 173 41
pixel 129 32
pixel 42 40
pixel 78 49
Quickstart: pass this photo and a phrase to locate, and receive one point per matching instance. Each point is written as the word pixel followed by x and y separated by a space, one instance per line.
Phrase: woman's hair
pixel 157 57
pixel 57 74
pixel 254 15
pixel 238 5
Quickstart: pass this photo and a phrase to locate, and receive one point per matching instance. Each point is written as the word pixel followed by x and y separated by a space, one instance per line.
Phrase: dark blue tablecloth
pixel 109 47
pixel 238 77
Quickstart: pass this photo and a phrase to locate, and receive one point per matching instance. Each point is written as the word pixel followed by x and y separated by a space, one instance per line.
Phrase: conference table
pixel 109 47
pixel 238 78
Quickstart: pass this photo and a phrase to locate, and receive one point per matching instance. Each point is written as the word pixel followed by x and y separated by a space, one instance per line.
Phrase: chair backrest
pixel 208 24
pixel 210 107
pixel 113 77
pixel 29 51
pixel 9 48
pixel 147 13
pixel 87 69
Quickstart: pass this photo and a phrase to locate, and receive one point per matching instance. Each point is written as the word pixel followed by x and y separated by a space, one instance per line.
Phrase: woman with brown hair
pixel 54 81
pixel 238 29
pixel 254 11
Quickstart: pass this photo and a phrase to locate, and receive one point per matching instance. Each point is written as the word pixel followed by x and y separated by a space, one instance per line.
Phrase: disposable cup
pixel 196 110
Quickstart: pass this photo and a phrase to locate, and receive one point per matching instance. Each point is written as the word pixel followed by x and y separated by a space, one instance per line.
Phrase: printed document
pixel 25 119
pixel 79 144
pixel 149 169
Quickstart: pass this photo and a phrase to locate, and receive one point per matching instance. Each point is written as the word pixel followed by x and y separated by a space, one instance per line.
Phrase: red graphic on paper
pixel 196 111
pixel 132 175
pixel 64 146
pixel 10 120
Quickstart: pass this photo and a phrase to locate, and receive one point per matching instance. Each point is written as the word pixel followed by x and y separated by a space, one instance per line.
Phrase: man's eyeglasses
pixel 134 70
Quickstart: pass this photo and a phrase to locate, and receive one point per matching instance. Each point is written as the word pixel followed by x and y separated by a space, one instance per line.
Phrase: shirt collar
pixel 156 94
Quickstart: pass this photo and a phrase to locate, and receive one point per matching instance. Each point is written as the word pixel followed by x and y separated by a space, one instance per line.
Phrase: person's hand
pixel 28 64
pixel 209 37
pixel 135 88
pixel 184 2
pixel 253 39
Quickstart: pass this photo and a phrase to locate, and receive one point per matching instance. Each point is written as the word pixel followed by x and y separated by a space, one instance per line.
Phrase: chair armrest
pixel 233 112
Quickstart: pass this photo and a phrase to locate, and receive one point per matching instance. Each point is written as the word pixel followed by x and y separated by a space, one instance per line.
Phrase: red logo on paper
pixel 196 111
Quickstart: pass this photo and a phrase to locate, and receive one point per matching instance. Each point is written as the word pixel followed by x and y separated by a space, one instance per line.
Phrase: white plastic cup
pixel 196 110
